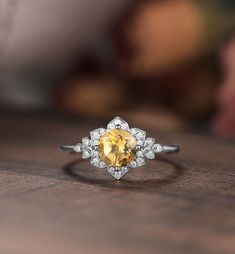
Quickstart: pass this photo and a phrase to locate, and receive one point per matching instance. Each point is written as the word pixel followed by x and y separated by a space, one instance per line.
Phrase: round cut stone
pixel 117 147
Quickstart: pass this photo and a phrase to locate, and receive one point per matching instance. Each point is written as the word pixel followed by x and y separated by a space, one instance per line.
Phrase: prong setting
pixel 119 123
pixel 78 148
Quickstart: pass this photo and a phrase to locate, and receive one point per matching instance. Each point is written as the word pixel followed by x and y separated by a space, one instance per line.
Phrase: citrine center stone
pixel 117 147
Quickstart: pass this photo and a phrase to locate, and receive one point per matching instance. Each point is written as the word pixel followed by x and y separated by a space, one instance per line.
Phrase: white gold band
pixel 158 148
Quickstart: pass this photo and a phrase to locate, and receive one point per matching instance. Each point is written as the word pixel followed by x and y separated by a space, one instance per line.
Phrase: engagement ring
pixel 119 148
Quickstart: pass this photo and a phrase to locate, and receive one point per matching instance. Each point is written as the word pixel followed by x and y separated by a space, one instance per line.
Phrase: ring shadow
pixel 125 184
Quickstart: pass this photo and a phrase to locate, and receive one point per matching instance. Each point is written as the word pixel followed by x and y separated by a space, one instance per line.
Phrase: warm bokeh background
pixel 68 67
pixel 167 64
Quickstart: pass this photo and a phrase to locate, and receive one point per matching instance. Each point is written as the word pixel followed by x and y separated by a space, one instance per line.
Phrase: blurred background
pixel 167 64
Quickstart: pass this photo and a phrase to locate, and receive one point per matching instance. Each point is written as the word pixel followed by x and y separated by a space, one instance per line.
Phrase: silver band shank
pixel 165 148
pixel 67 148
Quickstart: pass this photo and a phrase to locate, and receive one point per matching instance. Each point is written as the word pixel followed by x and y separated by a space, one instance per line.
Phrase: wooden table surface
pixel 52 202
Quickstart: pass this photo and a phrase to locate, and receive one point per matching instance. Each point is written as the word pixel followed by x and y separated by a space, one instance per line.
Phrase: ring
pixel 119 148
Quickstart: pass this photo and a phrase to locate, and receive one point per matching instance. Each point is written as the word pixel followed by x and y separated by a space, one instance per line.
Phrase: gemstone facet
pixel 117 147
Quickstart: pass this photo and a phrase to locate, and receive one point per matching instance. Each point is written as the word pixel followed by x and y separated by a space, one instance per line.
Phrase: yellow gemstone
pixel 117 147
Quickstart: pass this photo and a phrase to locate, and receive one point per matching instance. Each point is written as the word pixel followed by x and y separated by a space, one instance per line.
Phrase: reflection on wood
pixel 53 202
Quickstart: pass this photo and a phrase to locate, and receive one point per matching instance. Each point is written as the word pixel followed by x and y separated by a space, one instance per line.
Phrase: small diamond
pixel 118 121
pixel 149 153
pixel 139 134
pixel 95 142
pixel 86 141
pixel 102 164
pixel 96 134
pixel 96 161
pixel 134 131
pixel 124 170
pixel 111 170
pixel 86 153
pixel 95 153
pixel 102 131
pixel 139 154
pixel 140 161
pixel 117 172
pixel 157 148
pixel 78 148
pixel 140 142
pixel 149 142
pixel 133 164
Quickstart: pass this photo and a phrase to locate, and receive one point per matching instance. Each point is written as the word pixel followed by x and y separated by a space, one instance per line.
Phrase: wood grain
pixel 52 202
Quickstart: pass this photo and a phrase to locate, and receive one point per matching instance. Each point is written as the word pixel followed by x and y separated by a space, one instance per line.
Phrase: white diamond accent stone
pixel 139 154
pixel 118 122
pixel 96 161
pixel 86 142
pixel 95 142
pixel 133 164
pixel 86 153
pixel 140 161
pixel 95 153
pixel 149 142
pixel 157 148
pixel 78 148
pixel 102 164
pixel 149 153
pixel 117 173
pixel 139 135
pixel 96 134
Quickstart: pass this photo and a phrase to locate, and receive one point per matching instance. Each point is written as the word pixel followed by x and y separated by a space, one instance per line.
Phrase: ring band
pixel 119 148
pixel 165 148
